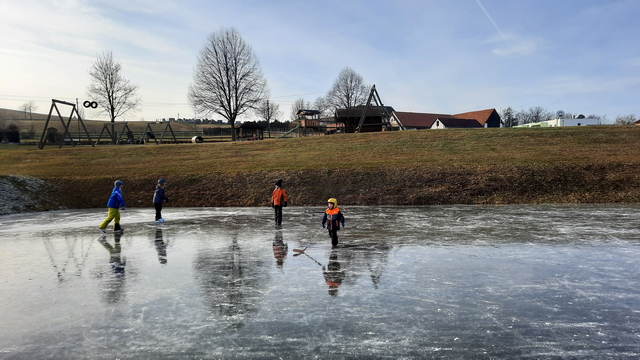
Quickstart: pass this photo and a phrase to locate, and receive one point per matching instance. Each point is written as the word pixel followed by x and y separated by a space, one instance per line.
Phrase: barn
pixel 486 118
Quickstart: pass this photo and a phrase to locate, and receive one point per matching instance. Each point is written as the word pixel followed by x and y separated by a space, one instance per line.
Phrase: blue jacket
pixel 158 196
pixel 116 200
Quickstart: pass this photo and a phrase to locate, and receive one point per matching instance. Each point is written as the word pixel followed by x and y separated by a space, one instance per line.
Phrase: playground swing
pixel 117 140
pixel 148 134
pixel 66 136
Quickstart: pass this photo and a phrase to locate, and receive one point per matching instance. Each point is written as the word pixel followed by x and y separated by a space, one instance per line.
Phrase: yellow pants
pixel 113 214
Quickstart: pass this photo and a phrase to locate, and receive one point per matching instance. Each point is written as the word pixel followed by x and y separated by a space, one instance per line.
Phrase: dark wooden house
pixel 375 118
pixel 250 131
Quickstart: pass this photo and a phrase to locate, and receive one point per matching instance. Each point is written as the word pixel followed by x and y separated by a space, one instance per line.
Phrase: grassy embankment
pixel 465 166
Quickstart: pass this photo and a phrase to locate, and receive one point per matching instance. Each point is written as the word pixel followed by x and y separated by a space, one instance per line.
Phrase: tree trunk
pixel 233 131
pixel 113 131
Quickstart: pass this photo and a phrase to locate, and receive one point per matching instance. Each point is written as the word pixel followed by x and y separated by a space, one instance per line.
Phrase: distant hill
pixel 8 114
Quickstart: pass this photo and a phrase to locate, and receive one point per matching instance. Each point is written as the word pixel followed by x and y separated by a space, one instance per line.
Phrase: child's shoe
pixel 103 231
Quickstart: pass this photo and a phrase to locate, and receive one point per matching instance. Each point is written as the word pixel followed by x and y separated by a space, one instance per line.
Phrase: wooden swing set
pixel 148 133
pixel 66 136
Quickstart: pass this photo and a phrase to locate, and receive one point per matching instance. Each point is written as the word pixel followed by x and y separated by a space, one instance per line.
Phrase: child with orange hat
pixel 278 201
pixel 332 219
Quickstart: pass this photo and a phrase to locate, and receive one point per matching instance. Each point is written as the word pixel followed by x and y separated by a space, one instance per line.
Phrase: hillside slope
pixel 470 166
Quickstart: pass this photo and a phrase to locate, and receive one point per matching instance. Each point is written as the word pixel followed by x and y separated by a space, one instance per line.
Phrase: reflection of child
pixel 117 261
pixel 158 197
pixel 278 201
pixel 333 275
pixel 280 249
pixel 161 246
pixel 333 218
pixel 116 202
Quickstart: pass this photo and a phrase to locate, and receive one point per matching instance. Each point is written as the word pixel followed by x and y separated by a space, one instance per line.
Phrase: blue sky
pixel 580 56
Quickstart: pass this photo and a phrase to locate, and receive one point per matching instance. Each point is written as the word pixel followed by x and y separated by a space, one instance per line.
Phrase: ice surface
pixel 543 281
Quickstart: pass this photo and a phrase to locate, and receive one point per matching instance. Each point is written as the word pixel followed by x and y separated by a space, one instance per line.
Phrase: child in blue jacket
pixel 115 203
pixel 158 197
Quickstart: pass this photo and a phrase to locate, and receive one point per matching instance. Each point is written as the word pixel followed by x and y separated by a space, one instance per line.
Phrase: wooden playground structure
pixel 66 136
pixel 126 135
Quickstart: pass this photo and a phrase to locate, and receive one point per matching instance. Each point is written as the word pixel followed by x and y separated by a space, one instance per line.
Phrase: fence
pixel 207 134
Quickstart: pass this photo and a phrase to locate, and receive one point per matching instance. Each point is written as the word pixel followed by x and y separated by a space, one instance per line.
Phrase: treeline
pixel 510 117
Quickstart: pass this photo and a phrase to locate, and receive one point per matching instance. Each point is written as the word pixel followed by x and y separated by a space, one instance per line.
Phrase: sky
pixel 434 56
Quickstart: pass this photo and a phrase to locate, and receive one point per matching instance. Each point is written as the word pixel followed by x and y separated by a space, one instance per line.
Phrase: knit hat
pixel 161 181
pixel 279 183
pixel 118 183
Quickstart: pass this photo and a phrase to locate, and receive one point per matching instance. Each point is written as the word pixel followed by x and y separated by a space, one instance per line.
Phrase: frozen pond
pixel 544 281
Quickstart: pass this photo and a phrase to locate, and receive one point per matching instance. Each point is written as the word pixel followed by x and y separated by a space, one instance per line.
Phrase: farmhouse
pixel 485 118
pixel 452 123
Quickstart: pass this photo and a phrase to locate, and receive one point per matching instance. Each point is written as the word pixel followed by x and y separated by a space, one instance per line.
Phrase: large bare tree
pixel 227 79
pixel 114 94
pixel 347 91
pixel 268 111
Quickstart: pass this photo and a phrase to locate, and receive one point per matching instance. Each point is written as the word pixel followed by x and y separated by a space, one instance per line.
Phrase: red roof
pixel 425 120
pixel 481 116
pixel 420 120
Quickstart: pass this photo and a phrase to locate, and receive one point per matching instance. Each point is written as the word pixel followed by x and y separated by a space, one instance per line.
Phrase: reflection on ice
pixel 114 283
pixel 232 280
pixel 406 282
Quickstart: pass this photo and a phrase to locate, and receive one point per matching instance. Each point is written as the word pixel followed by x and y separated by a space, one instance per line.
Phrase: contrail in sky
pixel 493 22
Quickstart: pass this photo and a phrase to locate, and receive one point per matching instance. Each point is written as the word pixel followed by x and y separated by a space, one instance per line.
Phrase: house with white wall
pixel 562 122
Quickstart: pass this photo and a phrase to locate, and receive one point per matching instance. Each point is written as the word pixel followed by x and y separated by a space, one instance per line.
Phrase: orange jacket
pixel 333 218
pixel 279 197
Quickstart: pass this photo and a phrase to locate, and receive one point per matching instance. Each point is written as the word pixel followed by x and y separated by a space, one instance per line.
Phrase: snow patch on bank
pixel 22 194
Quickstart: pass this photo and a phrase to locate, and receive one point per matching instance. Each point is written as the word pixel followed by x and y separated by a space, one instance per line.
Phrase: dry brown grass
pixel 468 166
pixel 447 149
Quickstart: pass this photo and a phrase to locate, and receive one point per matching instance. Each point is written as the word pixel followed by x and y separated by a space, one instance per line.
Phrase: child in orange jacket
pixel 333 218
pixel 278 201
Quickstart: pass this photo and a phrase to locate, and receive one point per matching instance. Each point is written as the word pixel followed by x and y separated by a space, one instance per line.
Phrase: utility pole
pixel 268 119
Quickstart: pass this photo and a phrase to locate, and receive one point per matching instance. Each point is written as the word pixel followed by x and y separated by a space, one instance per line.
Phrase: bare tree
pixel 321 105
pixel 508 119
pixel 347 91
pixel 625 119
pixel 268 111
pixel 297 105
pixel 28 107
pixel 114 94
pixel 533 115
pixel 227 79
pixel 523 117
pixel 539 113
